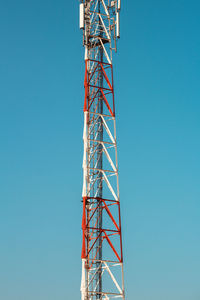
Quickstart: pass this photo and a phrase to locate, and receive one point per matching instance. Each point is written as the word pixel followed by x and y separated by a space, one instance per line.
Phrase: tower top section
pixel 100 23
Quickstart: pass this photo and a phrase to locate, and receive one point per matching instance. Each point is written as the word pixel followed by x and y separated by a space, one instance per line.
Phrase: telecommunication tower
pixel 102 259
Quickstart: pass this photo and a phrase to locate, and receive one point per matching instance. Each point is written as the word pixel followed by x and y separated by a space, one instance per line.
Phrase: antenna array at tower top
pixel 100 22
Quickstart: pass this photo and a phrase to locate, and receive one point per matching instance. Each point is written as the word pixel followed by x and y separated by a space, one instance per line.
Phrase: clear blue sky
pixel 157 80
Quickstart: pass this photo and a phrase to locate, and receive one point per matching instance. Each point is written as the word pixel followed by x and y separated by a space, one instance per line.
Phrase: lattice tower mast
pixel 102 259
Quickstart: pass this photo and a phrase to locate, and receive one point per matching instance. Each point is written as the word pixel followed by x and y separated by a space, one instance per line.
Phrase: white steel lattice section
pixel 102 260
pixel 100 24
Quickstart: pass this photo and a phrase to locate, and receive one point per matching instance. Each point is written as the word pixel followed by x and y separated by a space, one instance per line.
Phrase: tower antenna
pixel 102 259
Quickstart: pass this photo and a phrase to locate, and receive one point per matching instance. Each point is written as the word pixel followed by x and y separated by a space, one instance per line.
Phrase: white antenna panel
pixel 82 16
pixel 119 5
pixel 117 26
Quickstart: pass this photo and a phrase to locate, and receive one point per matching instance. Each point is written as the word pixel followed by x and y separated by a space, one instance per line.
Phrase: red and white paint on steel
pixel 102 258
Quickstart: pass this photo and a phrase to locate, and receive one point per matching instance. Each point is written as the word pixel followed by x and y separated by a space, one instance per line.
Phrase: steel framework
pixel 102 259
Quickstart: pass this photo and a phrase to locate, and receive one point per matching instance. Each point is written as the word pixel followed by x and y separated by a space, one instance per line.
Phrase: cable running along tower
pixel 102 260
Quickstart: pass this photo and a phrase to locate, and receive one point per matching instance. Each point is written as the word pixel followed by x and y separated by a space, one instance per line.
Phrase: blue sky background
pixel 157 80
